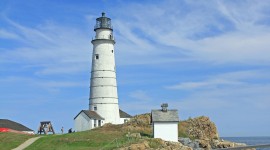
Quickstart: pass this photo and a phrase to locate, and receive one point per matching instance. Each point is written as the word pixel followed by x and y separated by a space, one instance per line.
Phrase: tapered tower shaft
pixel 103 86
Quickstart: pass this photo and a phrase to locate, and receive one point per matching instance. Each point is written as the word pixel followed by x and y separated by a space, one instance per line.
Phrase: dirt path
pixel 26 143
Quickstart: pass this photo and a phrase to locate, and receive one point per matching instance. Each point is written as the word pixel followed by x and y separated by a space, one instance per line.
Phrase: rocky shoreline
pixel 203 144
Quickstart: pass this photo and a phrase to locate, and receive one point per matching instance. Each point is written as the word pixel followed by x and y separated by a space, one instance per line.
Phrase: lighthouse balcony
pixel 103 37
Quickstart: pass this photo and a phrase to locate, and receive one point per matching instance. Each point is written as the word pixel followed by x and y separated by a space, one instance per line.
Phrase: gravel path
pixel 26 143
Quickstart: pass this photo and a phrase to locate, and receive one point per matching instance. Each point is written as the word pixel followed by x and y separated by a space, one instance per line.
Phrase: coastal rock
pixel 139 123
pixel 141 120
pixel 139 146
pixel 156 144
pixel 205 144
pixel 198 128
pixel 224 144
pixel 227 144
pixel 195 144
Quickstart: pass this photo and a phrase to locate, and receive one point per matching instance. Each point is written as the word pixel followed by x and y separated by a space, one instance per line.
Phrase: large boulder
pixel 140 124
pixel 141 120
pixel 198 128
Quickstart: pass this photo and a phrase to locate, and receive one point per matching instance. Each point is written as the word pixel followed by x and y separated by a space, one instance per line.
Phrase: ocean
pixel 250 141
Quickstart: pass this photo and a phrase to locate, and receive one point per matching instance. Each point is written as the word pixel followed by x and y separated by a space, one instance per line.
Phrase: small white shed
pixel 87 120
pixel 165 123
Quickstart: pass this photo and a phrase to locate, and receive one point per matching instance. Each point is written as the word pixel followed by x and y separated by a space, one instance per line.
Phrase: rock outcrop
pixel 199 128
pixel 156 144
pixel 139 123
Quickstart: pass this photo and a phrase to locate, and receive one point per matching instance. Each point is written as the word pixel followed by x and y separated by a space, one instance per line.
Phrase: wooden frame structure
pixel 45 127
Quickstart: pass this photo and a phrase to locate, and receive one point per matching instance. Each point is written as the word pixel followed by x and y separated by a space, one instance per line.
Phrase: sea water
pixel 250 141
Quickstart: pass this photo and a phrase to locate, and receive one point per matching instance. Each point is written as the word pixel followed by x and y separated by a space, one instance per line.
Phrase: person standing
pixel 62 130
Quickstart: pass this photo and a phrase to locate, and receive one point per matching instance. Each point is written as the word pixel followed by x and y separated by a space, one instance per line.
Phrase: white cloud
pixel 241 89
pixel 212 83
pixel 53 48
pixel 230 79
pixel 8 35
pixel 62 84
pixel 40 83
pixel 219 32
pixel 215 32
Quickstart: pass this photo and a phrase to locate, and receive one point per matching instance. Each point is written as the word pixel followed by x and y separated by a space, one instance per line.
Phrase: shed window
pixel 97 56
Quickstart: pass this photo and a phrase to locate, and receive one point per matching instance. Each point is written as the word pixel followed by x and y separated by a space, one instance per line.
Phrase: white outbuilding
pixel 165 123
pixel 87 120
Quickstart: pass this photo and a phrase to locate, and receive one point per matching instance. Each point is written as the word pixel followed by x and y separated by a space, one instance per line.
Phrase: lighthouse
pixel 103 88
pixel 103 99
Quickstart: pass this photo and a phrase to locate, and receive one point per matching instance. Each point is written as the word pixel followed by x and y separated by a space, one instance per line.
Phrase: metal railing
pixel 106 37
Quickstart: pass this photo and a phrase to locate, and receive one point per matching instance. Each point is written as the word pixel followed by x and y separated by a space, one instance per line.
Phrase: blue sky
pixel 207 58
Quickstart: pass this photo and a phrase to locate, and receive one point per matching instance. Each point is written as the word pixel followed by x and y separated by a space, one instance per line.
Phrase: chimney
pixel 164 107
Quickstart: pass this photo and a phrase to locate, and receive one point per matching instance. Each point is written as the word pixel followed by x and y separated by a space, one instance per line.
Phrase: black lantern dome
pixel 103 22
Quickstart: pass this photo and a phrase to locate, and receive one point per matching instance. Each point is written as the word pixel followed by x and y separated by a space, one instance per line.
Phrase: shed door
pixel 99 123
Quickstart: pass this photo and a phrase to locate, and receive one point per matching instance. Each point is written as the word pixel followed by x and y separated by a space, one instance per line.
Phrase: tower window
pixel 112 51
pixel 95 108
pixel 97 56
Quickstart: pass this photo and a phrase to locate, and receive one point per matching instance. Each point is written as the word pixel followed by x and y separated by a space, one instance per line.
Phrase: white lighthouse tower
pixel 103 90
pixel 103 100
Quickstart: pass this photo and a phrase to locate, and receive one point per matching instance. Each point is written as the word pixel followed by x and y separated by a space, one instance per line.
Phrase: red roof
pixel 4 129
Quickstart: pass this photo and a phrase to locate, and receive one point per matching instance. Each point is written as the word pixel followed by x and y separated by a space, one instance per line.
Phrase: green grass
pixel 12 140
pixel 104 137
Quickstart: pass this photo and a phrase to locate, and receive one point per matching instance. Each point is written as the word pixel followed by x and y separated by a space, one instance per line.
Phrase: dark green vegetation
pixel 10 140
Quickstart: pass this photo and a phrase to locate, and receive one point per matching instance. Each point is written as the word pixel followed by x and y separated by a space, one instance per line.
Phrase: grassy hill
pixel 12 140
pixel 106 137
